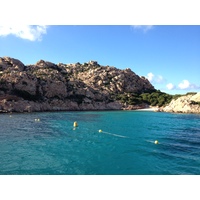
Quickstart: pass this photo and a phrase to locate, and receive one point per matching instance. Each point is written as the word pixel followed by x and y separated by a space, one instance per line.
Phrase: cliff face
pixel 185 104
pixel 46 86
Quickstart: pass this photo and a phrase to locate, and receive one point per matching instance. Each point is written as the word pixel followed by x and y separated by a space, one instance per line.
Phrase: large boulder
pixel 6 62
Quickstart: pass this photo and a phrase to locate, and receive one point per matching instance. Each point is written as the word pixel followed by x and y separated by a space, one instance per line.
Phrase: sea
pixel 103 143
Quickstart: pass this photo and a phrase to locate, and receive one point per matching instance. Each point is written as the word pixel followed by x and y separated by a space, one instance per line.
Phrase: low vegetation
pixel 156 98
pixel 195 103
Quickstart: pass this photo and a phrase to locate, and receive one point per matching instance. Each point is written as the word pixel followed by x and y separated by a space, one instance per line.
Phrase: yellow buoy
pixel 100 131
pixel 156 142
pixel 75 124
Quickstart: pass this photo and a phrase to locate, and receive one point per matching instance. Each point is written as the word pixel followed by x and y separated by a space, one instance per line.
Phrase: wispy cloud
pixel 27 32
pixel 143 28
pixel 155 78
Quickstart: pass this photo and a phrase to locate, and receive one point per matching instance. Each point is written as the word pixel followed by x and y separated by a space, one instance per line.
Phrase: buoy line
pixel 100 131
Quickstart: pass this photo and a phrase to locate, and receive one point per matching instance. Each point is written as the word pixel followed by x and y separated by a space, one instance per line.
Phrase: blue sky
pixel 169 56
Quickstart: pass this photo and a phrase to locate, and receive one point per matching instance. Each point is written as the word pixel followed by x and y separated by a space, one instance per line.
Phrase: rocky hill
pixel 185 104
pixel 46 86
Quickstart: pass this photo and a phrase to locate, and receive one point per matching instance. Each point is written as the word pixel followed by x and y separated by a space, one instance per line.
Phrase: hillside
pixel 46 86
pixel 189 103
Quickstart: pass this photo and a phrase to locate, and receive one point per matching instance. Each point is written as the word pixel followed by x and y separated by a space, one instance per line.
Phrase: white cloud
pixel 170 86
pixel 28 32
pixel 150 76
pixel 185 84
pixel 143 28
pixel 155 78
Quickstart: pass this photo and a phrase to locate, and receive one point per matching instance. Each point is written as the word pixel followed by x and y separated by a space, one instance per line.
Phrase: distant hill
pixel 46 86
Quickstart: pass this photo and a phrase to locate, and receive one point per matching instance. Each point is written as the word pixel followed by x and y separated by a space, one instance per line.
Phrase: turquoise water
pixel 52 146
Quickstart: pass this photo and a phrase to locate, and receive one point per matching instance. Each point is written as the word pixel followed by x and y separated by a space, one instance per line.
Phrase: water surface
pixel 52 146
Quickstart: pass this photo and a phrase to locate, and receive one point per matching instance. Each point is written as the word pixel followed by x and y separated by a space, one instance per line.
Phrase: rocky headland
pixel 46 86
pixel 189 103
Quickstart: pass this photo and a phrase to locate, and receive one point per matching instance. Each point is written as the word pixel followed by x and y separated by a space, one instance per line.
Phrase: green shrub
pixel 189 93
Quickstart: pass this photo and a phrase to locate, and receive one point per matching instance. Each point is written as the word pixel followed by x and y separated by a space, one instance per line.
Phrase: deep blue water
pixel 51 146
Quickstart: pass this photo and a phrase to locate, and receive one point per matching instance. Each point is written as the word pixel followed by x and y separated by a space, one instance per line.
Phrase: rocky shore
pixel 185 104
pixel 46 86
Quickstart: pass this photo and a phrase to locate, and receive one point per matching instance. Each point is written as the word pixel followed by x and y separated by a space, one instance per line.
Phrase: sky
pixel 168 55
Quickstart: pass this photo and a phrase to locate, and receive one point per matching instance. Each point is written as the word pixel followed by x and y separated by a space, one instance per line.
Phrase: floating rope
pixel 100 131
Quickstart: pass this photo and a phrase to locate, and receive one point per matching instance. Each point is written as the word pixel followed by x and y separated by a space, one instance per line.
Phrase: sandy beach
pixel 152 109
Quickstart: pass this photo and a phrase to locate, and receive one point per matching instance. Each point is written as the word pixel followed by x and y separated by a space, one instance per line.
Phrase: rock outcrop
pixel 184 104
pixel 46 86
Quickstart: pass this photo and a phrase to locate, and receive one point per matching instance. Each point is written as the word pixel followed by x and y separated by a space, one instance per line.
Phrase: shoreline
pixel 155 109
pixel 151 109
